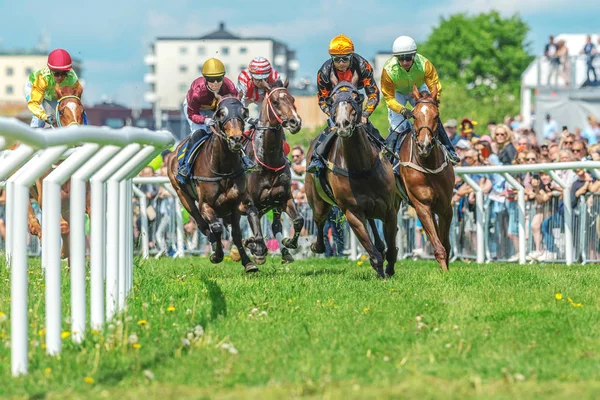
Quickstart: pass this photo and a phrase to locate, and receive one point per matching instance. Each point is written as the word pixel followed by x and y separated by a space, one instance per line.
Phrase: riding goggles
pixel 213 79
pixel 342 58
pixel 405 57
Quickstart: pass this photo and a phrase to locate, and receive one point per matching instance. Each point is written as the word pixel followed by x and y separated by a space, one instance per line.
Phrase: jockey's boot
pixel 248 164
pixel 316 159
pixel 443 137
pixel 184 169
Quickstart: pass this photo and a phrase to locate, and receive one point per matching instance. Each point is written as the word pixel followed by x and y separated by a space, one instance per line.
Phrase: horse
pixel 427 175
pixel 219 185
pixel 270 184
pixel 69 111
pixel 361 180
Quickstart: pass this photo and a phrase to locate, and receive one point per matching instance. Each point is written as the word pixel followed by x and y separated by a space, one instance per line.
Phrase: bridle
pixel 415 132
pixel 228 117
pixel 58 123
pixel 345 93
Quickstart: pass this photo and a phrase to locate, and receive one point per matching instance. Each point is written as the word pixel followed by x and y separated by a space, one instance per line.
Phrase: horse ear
pixel 286 83
pixel 78 91
pixel 415 93
pixel 58 91
pixel 333 78
pixel 434 93
pixel 354 80
pixel 245 113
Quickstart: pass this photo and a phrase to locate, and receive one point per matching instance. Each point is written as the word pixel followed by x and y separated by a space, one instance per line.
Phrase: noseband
pixel 58 123
pixel 415 132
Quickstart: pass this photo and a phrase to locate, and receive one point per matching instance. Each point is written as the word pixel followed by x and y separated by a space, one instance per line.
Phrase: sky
pixel 112 37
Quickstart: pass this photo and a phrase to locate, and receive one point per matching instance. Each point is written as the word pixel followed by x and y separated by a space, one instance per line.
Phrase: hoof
pixel 215 258
pixel 286 258
pixel 250 268
pixel 379 271
pixel 290 243
pixel 235 254
pixel 389 272
pixel 316 249
pixel 260 260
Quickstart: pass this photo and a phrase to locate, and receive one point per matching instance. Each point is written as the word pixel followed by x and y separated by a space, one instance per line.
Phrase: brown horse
pixel 361 180
pixel 270 184
pixel 427 175
pixel 219 185
pixel 69 111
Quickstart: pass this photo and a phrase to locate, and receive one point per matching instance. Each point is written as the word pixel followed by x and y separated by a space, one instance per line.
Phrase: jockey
pixel 343 63
pixel 200 105
pixel 40 88
pixel 399 74
pixel 253 82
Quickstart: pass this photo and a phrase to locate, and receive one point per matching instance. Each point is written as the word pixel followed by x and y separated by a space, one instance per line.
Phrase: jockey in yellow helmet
pixel 40 88
pixel 405 69
pixel 343 64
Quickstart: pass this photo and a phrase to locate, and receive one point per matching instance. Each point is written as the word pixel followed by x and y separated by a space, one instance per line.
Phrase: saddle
pixel 192 146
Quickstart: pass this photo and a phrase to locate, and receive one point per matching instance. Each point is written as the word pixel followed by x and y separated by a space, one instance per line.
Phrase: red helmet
pixel 59 60
pixel 260 68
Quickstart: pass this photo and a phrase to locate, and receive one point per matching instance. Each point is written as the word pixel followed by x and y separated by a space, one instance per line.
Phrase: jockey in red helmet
pixel 40 88
pixel 253 81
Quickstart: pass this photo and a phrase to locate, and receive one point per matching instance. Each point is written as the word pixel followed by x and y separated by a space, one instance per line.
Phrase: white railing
pixel 105 157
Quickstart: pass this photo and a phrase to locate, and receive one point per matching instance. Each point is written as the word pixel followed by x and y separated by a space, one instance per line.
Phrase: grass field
pixel 326 329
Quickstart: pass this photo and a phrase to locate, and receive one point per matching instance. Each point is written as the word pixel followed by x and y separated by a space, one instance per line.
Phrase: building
pixel 175 62
pixel 567 96
pixel 15 68
pixel 380 59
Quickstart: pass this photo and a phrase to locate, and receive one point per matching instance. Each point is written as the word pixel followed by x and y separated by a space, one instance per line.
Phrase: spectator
pixel 565 62
pixel 566 139
pixel 550 52
pixel 462 146
pixel 589 49
pixel 298 169
pixel 450 127
pixel 491 126
pixel 503 136
pixel 553 151
pixel 467 129
pixel 335 221
pixel 544 150
pixel 579 150
pixel 592 131
pixel 550 129
pixel 542 191
pixel 523 144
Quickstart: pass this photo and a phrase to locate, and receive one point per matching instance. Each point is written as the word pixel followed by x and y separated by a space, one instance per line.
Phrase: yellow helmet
pixel 341 45
pixel 213 68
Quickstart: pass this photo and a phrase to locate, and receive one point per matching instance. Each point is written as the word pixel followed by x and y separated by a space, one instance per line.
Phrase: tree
pixel 485 53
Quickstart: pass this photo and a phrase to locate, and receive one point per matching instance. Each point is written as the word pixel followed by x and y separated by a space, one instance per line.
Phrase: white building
pixel 175 62
pixel 380 59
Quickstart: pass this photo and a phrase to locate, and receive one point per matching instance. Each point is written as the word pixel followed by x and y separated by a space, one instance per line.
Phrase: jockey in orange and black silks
pixel 342 65
pixel 405 69
pixel 40 90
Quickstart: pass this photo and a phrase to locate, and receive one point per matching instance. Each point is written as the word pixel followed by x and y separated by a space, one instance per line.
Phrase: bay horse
pixel 270 184
pixel 427 175
pixel 69 111
pixel 218 184
pixel 361 180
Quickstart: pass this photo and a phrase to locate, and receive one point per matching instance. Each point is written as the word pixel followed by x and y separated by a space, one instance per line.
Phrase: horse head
pixel 279 106
pixel 230 115
pixel 426 114
pixel 345 104
pixel 69 109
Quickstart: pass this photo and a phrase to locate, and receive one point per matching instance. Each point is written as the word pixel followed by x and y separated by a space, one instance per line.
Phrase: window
pixel 28 71
pixel 114 123
pixel 200 68
pixel 201 51
pixel 183 69
pixel 9 71
pixel 9 89
pixel 183 50
pixel 225 51
pixel 183 87
pixel 141 123
pixel 243 50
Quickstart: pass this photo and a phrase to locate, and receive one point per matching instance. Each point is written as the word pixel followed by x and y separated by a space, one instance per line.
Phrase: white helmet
pixel 404 45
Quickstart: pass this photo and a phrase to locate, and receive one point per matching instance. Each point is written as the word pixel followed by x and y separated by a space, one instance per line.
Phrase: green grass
pixel 328 329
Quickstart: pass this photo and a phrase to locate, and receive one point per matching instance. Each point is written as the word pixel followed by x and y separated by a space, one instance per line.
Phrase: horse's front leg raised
pixel 215 231
pixel 357 223
pixel 297 220
pixel 260 249
pixel 425 214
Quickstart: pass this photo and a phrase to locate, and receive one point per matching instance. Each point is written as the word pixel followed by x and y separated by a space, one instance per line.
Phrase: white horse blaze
pixel 425 110
pixel 342 112
pixel 73 107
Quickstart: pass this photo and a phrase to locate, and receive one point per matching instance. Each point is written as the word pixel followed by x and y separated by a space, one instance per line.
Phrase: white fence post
pixel 521 202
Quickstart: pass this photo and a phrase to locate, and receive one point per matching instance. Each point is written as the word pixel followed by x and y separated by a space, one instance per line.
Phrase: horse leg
pixel 34 225
pixel 259 250
pixel 297 220
pixel 429 224
pixel 444 223
pixel 216 230
pixel 320 217
pixel 236 237
pixel 190 205
pixel 390 230
pixel 379 245
pixel 357 223
pixel 277 228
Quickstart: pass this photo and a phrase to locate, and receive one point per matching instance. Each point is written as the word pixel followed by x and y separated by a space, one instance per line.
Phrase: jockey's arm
pixel 389 93
pixel 432 79
pixel 36 99
pixel 371 90
pixel 242 88
pixel 324 90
